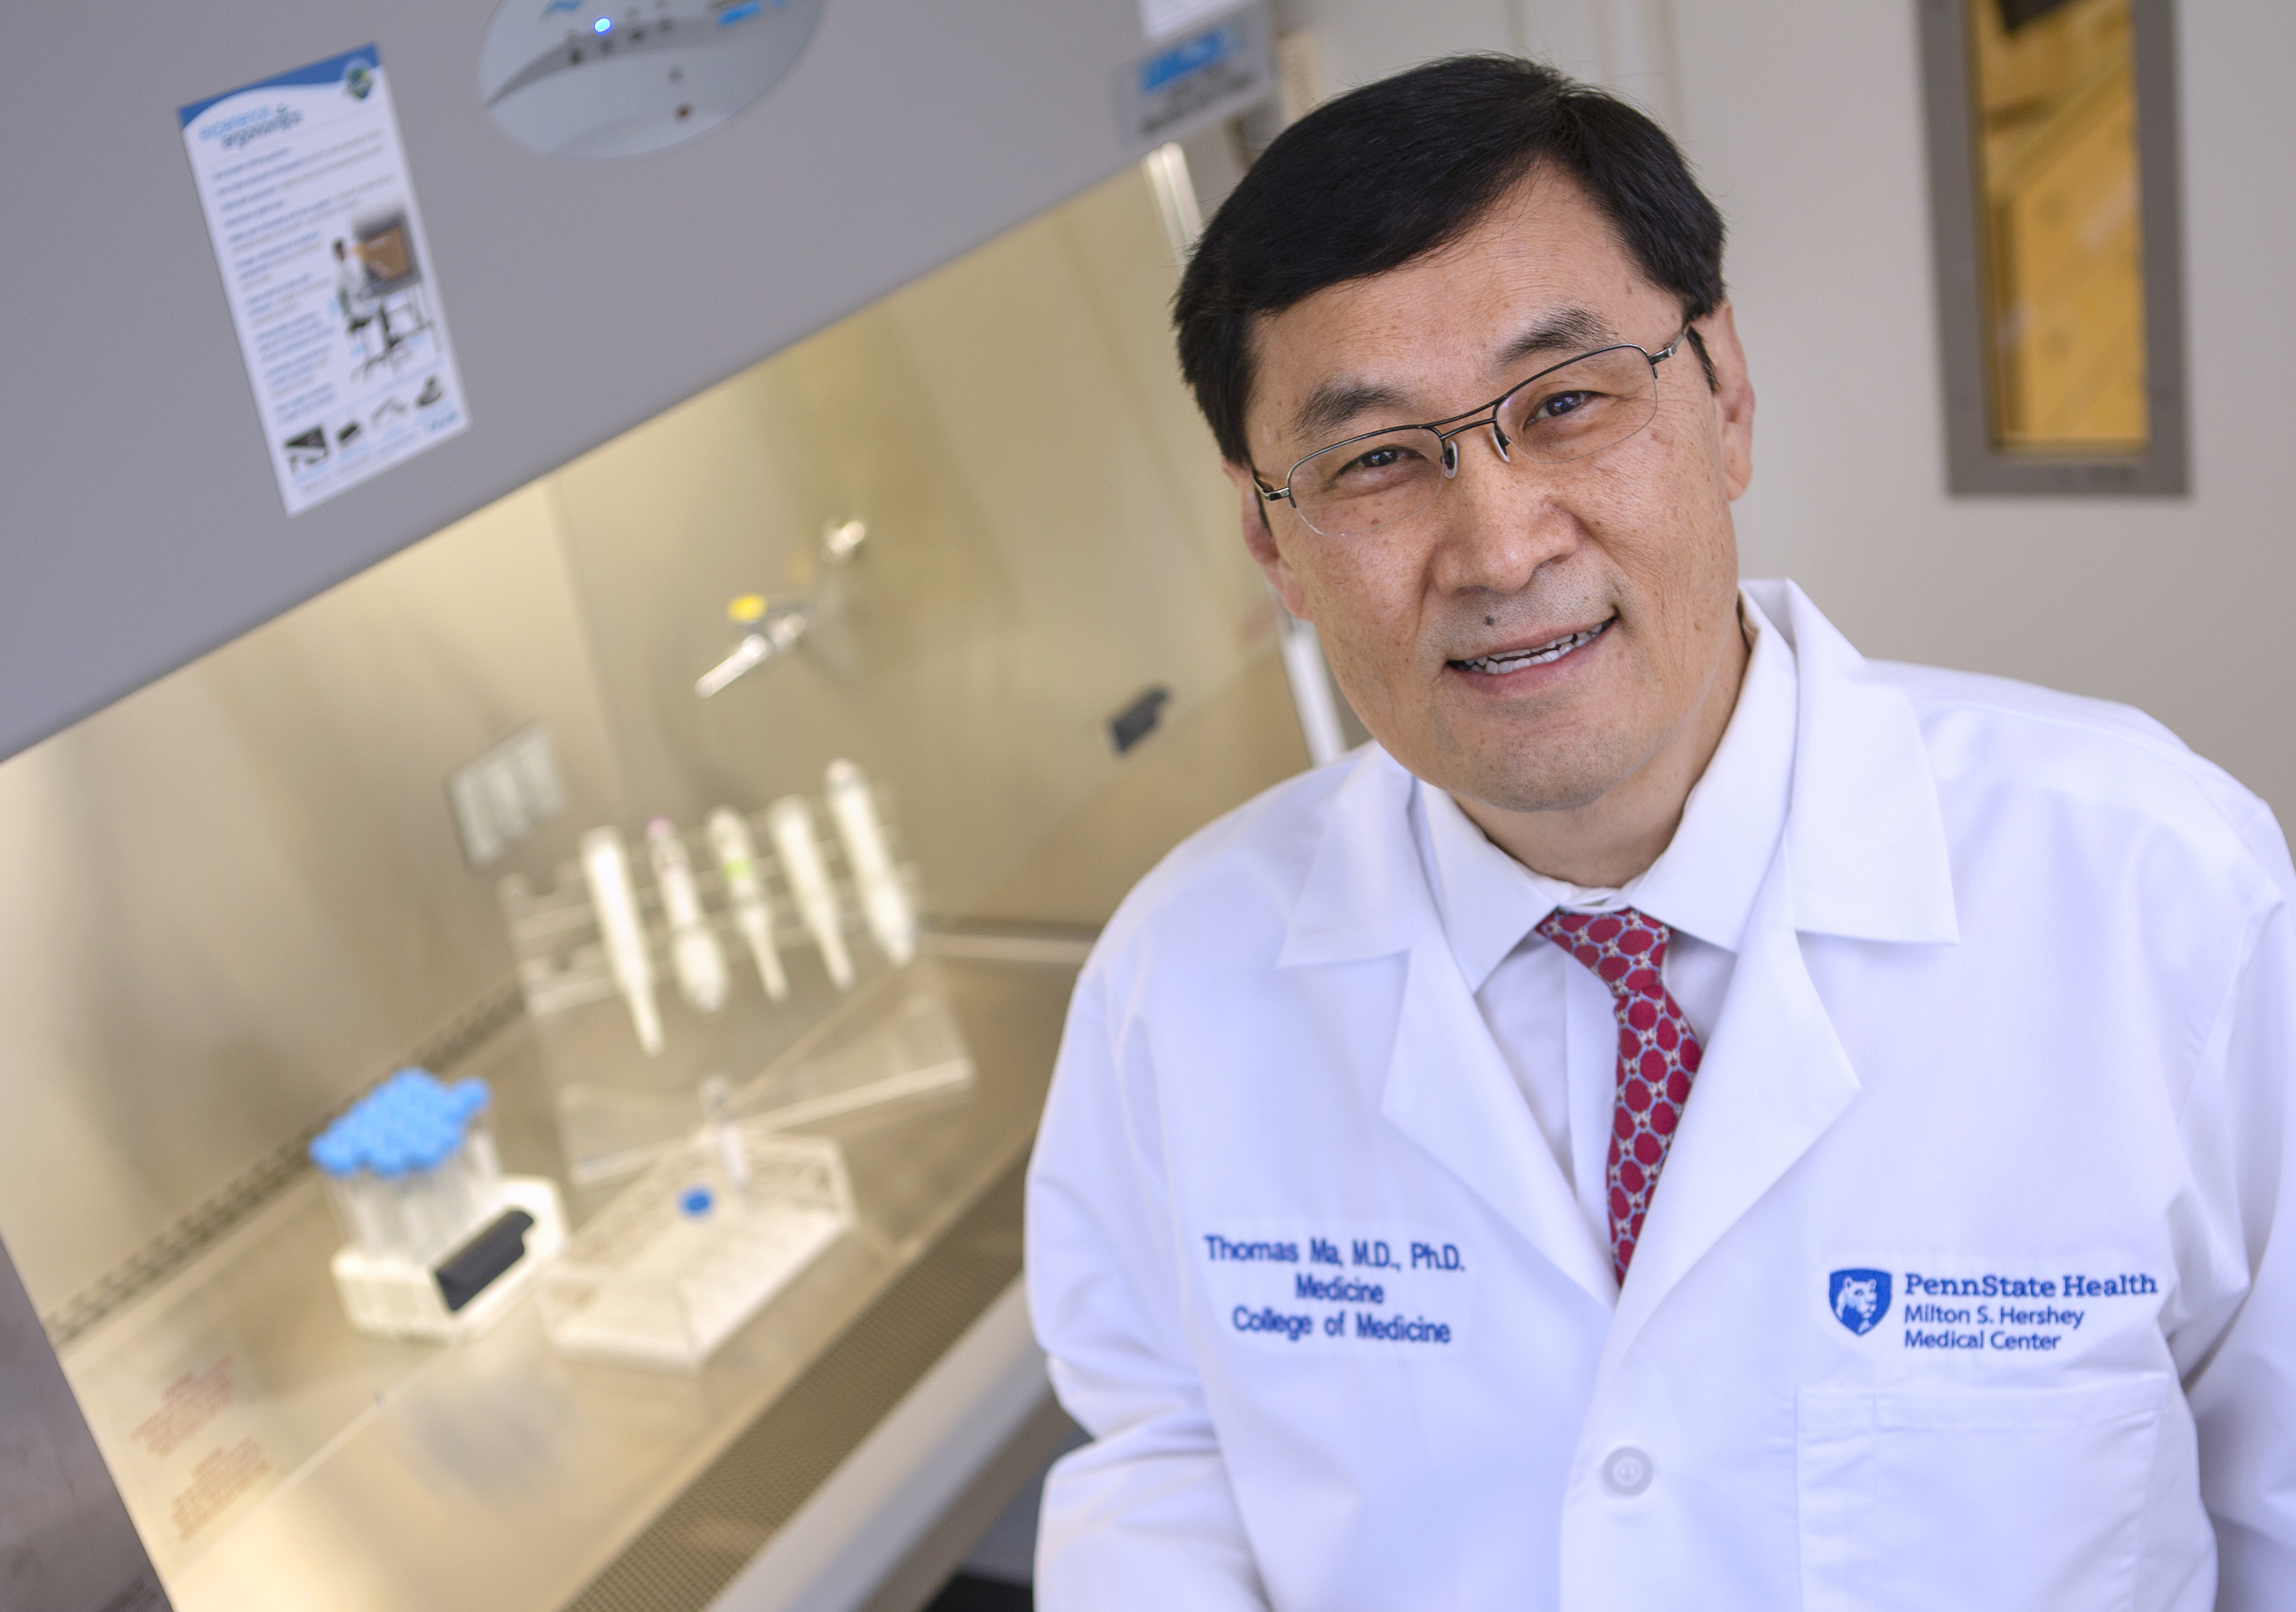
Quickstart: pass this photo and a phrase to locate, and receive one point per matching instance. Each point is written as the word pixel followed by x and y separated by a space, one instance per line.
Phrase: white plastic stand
pixel 390 1295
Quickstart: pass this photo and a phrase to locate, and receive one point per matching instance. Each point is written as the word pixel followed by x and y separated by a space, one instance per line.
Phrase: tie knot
pixel 1625 948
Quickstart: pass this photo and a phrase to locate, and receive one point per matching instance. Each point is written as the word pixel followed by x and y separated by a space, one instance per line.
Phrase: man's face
pixel 1631 551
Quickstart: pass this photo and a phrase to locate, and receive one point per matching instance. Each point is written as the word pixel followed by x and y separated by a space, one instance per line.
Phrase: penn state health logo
pixel 1861 1299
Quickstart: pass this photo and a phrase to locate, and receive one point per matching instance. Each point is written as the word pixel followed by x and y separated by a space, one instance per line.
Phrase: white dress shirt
pixel 1552 1018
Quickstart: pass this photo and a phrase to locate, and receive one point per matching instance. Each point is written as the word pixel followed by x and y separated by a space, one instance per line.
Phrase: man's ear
pixel 1733 397
pixel 1259 540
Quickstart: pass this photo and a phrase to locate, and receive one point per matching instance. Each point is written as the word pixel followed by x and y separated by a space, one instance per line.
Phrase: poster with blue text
pixel 328 273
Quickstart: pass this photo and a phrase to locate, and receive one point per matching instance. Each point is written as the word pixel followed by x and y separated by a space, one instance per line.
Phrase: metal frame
pixel 1975 466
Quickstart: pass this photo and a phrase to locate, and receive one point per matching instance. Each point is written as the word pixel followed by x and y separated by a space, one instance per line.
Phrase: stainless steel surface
pixel 1048 534
pixel 497 1475
pixel 1011 946
pixel 1012 1481
pixel 902 1511
pixel 235 900
pixel 822 1499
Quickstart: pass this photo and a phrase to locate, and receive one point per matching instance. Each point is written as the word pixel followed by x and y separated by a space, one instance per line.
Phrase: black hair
pixel 1392 172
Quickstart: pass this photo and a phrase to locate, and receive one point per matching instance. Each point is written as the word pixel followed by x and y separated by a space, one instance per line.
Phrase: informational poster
pixel 312 212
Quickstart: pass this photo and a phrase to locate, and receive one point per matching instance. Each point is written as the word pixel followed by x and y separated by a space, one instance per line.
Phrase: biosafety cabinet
pixel 526 986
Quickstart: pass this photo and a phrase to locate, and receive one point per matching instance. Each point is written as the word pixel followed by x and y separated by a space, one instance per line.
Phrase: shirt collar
pixel 1704 881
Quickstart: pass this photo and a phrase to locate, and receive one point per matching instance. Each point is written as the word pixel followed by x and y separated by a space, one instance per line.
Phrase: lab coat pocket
pixel 2009 1499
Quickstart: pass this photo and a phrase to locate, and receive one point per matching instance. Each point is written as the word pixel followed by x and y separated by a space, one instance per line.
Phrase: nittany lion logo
pixel 1861 1299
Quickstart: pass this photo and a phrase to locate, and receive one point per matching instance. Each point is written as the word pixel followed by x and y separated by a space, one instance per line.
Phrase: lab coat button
pixel 1627 1471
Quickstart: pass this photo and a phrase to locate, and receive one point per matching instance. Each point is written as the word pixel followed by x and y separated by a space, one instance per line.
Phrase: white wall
pixel 1804 120
pixel 1627 44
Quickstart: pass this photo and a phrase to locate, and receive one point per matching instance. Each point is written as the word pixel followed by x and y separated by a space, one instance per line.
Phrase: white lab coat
pixel 2012 1015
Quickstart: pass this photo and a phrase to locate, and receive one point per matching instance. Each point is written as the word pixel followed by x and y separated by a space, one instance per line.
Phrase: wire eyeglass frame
pixel 1447 430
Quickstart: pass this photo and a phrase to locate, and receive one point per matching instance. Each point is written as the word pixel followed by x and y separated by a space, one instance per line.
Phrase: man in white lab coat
pixel 1690 1118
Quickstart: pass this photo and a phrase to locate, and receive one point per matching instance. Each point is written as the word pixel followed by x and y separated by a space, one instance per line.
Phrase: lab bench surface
pixel 351 1473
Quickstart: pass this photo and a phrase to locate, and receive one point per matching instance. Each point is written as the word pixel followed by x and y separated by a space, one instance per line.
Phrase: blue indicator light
pixel 740 13
pixel 604 25
pixel 1189 57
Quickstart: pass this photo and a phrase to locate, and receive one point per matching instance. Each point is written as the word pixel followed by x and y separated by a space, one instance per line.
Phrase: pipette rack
pixel 561 958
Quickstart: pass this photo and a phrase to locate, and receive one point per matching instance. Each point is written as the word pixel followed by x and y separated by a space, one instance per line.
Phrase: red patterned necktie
pixel 1658 1056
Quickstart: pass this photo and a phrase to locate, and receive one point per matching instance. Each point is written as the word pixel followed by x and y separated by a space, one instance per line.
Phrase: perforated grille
pixel 708 1533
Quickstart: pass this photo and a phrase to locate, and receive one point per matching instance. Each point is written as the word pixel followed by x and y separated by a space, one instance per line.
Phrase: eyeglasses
pixel 1573 410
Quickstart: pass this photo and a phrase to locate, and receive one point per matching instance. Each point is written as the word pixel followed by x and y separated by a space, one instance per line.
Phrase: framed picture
pixel 2053 179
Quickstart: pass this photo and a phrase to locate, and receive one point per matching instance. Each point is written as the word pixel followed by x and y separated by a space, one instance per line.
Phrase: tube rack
pixel 696 1246
pixel 440 1241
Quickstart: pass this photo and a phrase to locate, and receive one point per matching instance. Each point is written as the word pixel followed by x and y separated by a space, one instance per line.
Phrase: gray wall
pixel 141 524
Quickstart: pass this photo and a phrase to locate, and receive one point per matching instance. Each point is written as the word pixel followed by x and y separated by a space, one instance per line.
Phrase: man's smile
pixel 1505 661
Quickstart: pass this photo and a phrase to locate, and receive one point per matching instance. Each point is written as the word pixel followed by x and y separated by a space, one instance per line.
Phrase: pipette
pixel 745 893
pixel 789 821
pixel 884 902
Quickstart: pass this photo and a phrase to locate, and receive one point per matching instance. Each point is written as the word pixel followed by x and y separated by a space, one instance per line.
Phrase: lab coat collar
pixel 1365 895
pixel 1705 882
pixel 1863 832
pixel 1774 1080
pixel 1449 1089
pixel 1445 1085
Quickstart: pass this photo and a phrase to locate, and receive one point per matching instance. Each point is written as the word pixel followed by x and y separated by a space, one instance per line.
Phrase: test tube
pixel 465 1174
pixel 717 1097
pixel 411 1168
pixel 475 1100
pixel 745 893
pixel 789 821
pixel 884 902
pixel 350 1192
pixel 410 1228
pixel 450 1183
